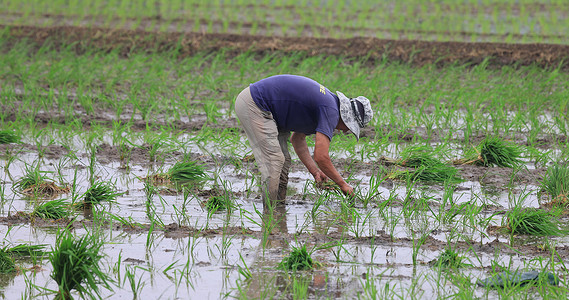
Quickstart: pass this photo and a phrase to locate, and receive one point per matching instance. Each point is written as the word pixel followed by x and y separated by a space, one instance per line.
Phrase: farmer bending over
pixel 273 107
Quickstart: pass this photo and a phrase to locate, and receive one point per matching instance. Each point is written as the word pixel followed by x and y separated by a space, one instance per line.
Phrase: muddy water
pixel 195 254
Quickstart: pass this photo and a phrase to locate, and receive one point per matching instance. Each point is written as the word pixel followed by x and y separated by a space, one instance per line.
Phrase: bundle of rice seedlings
pixel 54 209
pixel 556 184
pixel 493 151
pixel 299 259
pixel 188 171
pixel 426 166
pixel 7 264
pixel 99 192
pixel 32 177
pixel 449 259
pixel 181 173
pixel 35 183
pixel 24 250
pixel 418 156
pixel 218 202
pixel 75 265
pixel 327 185
pixel 8 136
pixel 532 221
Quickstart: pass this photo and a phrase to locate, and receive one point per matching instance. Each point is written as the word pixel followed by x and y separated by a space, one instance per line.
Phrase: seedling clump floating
pixel 299 259
pixel 99 192
pixel 532 221
pixel 493 151
pixel 218 202
pixel 25 250
pixel 35 183
pixel 54 209
pixel 75 263
pixel 8 137
pixel 556 184
pixel 182 174
pixel 449 259
pixel 7 264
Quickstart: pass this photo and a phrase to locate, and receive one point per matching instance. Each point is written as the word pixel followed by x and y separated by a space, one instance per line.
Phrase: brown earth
pixel 373 50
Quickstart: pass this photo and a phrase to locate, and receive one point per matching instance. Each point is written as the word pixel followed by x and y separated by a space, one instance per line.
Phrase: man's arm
pixel 298 141
pixel 321 157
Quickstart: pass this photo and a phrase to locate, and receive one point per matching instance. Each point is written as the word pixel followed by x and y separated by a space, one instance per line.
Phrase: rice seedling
pixel 556 184
pixel 493 151
pixel 426 167
pixel 75 263
pixel 54 209
pixel 7 264
pixel 449 259
pixel 100 191
pixel 218 202
pixel 417 156
pixel 8 137
pixel 35 183
pixel 25 250
pixel 531 221
pixel 182 174
pixel 299 259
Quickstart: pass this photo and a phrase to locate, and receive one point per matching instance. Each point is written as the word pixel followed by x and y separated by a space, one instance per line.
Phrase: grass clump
pixel 298 260
pixel 7 264
pixel 76 266
pixel 556 184
pixel 8 137
pixel 54 209
pixel 25 250
pixel 532 221
pixel 35 183
pixel 425 167
pixel 101 191
pixel 188 171
pixel 417 156
pixel 218 202
pixel 449 259
pixel 181 174
pixel 493 151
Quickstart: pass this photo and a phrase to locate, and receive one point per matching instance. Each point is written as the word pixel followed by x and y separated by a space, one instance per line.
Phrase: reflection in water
pixel 268 282
pixel 264 281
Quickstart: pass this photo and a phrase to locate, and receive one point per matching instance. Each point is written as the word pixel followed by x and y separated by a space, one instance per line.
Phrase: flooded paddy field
pixel 99 109
pixel 166 244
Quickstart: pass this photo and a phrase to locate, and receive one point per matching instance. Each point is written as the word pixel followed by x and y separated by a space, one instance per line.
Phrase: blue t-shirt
pixel 298 104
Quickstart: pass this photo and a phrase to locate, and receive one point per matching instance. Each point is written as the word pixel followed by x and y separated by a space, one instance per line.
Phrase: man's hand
pixel 347 190
pixel 320 177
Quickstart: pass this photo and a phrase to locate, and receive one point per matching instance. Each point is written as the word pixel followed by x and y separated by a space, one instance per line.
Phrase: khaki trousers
pixel 270 147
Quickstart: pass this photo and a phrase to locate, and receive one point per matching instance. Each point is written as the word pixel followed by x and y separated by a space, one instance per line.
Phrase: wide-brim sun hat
pixel 355 112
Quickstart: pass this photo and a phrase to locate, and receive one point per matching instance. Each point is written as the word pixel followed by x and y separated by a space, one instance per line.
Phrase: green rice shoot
pixel 187 171
pixel 54 209
pixel 7 264
pixel 418 156
pixel 100 192
pixel 75 263
pixel 8 137
pixel 299 259
pixel 493 151
pixel 35 183
pixel 532 221
pixel 556 184
pixel 218 202
pixel 32 177
pixel 425 166
pixel 25 250
pixel 449 259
